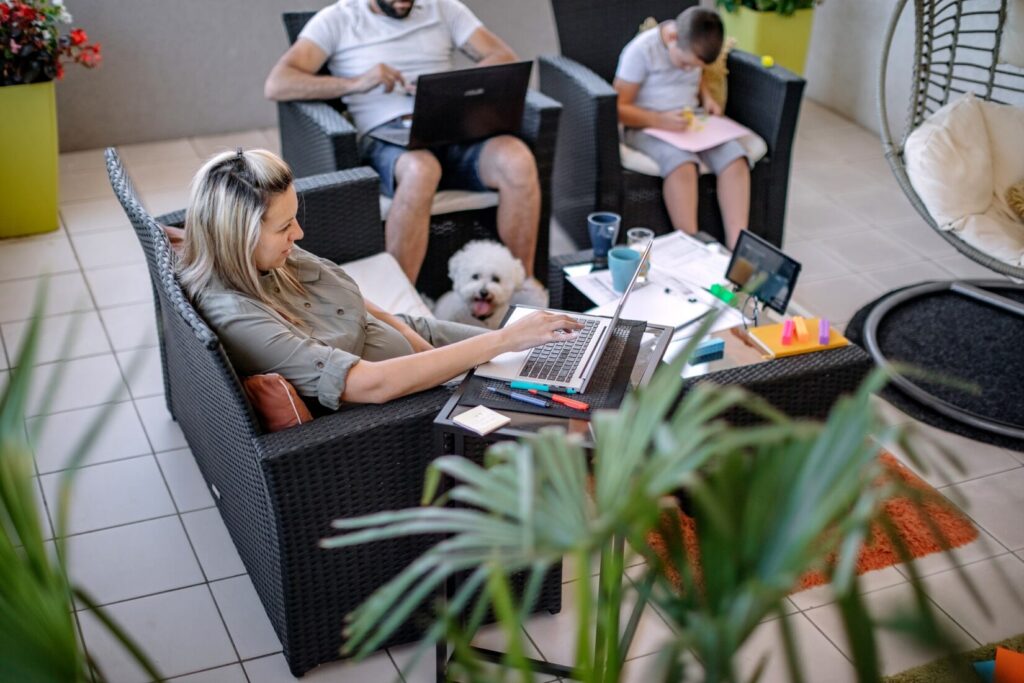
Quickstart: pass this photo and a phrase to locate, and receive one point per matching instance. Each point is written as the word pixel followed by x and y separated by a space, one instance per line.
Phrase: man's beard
pixel 389 9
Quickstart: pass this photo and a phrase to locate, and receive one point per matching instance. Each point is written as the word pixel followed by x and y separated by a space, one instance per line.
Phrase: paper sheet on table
pixel 706 133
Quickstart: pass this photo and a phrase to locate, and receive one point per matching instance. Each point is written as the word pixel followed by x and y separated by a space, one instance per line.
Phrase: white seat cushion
pixel 450 201
pixel 961 162
pixel 382 281
pixel 638 162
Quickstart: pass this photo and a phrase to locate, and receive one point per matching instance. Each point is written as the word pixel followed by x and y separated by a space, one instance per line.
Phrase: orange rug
pixel 878 553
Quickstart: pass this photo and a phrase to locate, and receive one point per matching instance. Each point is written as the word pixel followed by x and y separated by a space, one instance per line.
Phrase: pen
pixel 564 400
pixel 517 384
pixel 525 398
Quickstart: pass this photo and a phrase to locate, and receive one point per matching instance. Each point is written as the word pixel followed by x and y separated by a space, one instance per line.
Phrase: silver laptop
pixel 569 364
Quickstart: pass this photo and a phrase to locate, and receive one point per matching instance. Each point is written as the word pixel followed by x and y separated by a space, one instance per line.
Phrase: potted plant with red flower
pixel 33 50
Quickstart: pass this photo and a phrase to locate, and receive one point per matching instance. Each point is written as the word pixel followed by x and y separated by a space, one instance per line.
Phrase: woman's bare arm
pixel 381 381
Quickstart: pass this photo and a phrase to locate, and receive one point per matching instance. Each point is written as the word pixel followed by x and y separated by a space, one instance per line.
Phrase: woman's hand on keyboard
pixel 538 328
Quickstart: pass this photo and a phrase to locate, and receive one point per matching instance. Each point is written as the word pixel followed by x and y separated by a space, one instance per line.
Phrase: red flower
pixel 24 12
pixel 60 71
pixel 78 36
pixel 5 12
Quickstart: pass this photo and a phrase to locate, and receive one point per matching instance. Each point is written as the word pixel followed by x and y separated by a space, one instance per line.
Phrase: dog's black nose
pixel 484 294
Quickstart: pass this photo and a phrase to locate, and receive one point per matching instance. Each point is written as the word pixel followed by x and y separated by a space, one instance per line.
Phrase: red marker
pixel 564 400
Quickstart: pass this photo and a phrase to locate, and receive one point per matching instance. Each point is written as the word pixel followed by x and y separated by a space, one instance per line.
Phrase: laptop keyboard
pixel 557 361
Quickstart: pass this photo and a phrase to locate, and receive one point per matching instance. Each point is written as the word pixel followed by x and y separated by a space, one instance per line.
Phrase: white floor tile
pixel 920 238
pixel 112 493
pixel 163 432
pixel 180 631
pixel 41 511
pixel 816 262
pixel 223 674
pixel 142 369
pixel 61 337
pixel 995 502
pixel 934 448
pixel 82 382
pixel 87 160
pixel 897 652
pixel 166 176
pixel 213 544
pixel 825 218
pixel 820 660
pixel 273 139
pixel 868 251
pixel 80 185
pixel 1001 584
pixel 274 669
pixel 824 595
pixel 35 256
pixel 555 634
pixel 159 202
pixel 651 668
pixel 156 153
pixel 981 548
pixel 131 561
pixel 108 248
pixel 895 277
pixel 209 145
pixel 837 298
pixel 876 167
pixel 4 355
pixel 120 285
pixel 130 327
pixel 814 116
pixel 188 488
pixel 834 178
pixel 962 267
pixel 65 293
pixel 94 214
pixel 59 435
pixel 248 624
pixel 878 205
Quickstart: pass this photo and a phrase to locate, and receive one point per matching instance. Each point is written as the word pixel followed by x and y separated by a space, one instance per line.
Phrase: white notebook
pixel 481 420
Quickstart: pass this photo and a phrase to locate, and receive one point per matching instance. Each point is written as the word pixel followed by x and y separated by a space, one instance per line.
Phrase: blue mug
pixel 604 228
pixel 622 262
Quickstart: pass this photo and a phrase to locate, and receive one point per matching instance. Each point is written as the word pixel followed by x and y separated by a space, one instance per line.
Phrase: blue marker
pixel 525 398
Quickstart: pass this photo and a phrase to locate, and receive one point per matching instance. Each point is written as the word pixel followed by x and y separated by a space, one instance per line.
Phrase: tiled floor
pixel 146 540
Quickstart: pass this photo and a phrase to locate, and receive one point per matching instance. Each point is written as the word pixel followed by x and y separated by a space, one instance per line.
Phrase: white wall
pixel 845 53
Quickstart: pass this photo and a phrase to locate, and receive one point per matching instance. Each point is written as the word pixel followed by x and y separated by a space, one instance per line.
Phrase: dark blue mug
pixel 603 227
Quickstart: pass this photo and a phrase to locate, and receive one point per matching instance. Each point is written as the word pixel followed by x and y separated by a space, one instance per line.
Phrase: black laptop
pixel 462 105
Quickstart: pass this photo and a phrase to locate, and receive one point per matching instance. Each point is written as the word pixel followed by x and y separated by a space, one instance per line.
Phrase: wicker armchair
pixel 279 492
pixel 317 138
pixel 588 174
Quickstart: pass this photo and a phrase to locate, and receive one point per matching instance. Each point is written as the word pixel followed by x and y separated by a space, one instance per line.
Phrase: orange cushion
pixel 276 402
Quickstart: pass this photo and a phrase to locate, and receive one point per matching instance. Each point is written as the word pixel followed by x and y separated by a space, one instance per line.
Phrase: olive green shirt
pixel 336 331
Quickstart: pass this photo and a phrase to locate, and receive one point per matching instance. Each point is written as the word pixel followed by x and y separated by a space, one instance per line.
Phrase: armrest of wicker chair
pixel 588 171
pixel 766 100
pixel 316 138
pixel 339 213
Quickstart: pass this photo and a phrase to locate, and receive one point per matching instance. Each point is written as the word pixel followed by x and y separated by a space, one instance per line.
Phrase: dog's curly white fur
pixel 486 279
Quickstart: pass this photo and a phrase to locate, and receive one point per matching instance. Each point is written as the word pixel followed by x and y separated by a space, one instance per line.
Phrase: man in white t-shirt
pixel 375 51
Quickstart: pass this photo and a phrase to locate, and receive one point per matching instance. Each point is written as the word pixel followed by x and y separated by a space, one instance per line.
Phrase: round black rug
pixel 956 337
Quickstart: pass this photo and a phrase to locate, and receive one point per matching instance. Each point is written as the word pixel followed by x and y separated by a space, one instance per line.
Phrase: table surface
pixel 652 348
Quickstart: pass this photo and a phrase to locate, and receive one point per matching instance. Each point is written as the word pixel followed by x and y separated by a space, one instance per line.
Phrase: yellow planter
pixel 784 38
pixel 28 159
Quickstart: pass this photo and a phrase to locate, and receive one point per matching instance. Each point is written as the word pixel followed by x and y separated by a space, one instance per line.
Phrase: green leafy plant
pixel 783 7
pixel 38 640
pixel 771 502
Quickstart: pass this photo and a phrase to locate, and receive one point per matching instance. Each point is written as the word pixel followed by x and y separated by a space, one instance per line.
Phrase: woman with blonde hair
pixel 277 308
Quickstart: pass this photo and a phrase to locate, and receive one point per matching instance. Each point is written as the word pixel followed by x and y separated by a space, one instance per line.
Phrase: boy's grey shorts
pixel 669 157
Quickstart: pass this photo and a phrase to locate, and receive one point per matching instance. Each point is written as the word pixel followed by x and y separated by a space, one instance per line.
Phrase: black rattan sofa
pixel 278 493
pixel 588 174
pixel 317 138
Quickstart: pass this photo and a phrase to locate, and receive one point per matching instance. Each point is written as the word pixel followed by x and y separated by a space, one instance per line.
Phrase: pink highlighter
pixel 787 332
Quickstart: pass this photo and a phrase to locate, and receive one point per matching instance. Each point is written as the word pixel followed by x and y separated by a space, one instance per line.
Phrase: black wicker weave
pixel 588 175
pixel 316 138
pixel 279 492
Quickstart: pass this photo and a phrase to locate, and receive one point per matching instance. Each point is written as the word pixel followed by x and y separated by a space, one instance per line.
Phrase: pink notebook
pixel 709 131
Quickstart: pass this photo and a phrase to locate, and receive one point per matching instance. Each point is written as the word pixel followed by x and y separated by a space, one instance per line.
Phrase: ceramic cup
pixel 604 228
pixel 622 262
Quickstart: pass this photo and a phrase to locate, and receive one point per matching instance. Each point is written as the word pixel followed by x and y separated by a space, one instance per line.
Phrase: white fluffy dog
pixel 486 278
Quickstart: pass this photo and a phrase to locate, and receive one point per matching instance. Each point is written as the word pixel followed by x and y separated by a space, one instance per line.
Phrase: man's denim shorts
pixel 460 164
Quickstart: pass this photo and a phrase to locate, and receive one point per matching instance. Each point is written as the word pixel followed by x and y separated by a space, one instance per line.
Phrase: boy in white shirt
pixel 658 78
pixel 375 51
